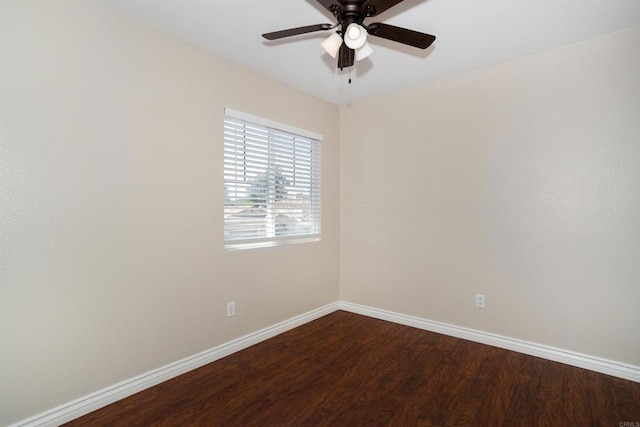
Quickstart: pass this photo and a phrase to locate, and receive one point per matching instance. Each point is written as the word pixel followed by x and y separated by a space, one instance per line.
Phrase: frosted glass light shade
pixel 332 44
pixel 355 36
pixel 363 51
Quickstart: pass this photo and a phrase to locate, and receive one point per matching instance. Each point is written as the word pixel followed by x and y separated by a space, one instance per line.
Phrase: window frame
pixel 273 132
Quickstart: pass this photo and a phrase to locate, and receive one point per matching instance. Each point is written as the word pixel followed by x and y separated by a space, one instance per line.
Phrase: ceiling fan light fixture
pixel 355 36
pixel 332 44
pixel 364 51
pixel 353 32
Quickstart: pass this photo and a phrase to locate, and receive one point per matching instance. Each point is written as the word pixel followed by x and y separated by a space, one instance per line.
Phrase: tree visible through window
pixel 271 182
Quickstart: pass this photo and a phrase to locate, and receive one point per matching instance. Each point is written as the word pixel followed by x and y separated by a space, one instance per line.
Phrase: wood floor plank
pixel 425 376
pixel 548 407
pixel 626 398
pixel 500 393
pixel 521 410
pixel 577 408
pixel 469 399
pixel 351 370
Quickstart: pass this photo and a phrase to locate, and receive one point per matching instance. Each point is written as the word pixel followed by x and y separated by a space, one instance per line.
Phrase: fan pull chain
pixel 349 75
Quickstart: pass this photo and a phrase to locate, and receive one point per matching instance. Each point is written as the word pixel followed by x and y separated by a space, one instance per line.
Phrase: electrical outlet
pixel 231 308
pixel 480 300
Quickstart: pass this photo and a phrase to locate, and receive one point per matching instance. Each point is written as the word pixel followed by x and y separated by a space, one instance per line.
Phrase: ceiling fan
pixel 349 43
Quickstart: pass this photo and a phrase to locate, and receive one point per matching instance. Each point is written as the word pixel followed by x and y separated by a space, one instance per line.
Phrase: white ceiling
pixel 471 34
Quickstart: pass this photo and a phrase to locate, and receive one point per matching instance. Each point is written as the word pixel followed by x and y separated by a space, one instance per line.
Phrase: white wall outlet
pixel 231 308
pixel 480 300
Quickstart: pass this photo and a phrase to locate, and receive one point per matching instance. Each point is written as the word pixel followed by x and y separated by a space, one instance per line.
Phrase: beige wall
pixel 520 181
pixel 111 251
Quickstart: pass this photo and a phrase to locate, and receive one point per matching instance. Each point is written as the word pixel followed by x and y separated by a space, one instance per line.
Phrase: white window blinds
pixel 271 182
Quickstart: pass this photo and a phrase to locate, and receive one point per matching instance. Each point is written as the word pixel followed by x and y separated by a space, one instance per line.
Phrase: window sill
pixel 256 244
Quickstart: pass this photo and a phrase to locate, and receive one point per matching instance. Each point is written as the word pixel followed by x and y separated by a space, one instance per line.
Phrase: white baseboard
pixel 609 367
pixel 101 398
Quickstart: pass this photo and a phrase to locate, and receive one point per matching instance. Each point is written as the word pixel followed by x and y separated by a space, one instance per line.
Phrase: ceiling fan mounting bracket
pixel 335 10
pixel 369 10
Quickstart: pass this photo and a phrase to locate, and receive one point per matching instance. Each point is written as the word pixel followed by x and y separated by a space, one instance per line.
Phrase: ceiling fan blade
pixel 346 56
pixel 401 35
pixel 296 31
pixel 379 6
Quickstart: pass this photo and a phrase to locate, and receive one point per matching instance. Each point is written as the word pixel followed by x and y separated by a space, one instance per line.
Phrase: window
pixel 271 182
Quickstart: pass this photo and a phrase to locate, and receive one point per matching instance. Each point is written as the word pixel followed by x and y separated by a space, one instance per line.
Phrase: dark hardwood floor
pixel 351 370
